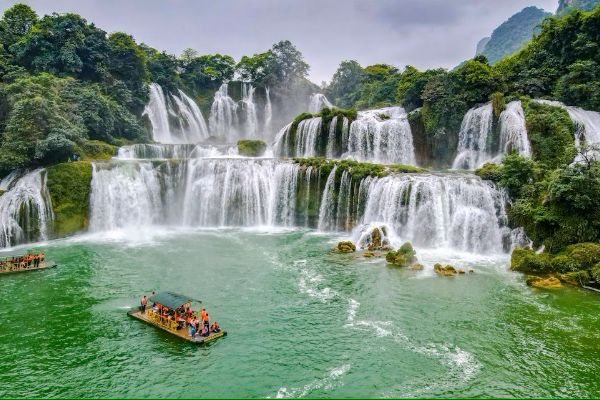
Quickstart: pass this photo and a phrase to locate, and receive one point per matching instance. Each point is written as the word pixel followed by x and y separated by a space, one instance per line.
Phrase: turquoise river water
pixel 302 322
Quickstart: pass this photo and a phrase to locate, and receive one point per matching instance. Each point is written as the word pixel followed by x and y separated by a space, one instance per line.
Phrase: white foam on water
pixel 327 383
pixel 310 284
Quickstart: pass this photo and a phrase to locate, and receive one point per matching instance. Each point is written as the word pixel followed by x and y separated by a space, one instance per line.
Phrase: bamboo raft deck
pixel 43 265
pixel 170 326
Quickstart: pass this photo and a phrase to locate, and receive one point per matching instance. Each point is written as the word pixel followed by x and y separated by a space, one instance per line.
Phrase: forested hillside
pixel 512 34
pixel 66 84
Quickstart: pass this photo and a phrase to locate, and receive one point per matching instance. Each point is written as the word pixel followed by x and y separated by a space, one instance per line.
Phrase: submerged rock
pixel 447 270
pixel 549 282
pixel 417 267
pixel 346 246
pixel 369 254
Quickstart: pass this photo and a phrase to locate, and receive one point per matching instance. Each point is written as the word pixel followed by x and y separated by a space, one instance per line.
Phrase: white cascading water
pixel 249 108
pixel 307 132
pixel 457 211
pixel 190 126
pixel 331 137
pixel 281 143
pixel 587 122
pixel 327 216
pixel 25 209
pixel 268 112
pixel 156 109
pixel 165 151
pixel 317 102
pixel 196 192
pixel 223 118
pixel 513 133
pixel 381 135
pixel 475 129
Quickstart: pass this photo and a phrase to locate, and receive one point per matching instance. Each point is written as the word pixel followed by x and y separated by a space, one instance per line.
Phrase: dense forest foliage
pixel 65 82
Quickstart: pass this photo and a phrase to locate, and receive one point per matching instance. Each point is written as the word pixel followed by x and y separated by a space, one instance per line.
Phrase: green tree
pixel 15 23
pixel 345 84
pixel 65 45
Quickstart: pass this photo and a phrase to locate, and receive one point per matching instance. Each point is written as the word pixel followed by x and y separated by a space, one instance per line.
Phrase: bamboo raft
pixel 170 326
pixel 43 265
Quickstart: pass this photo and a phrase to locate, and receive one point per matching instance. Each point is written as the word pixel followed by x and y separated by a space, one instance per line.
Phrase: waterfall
pixel 458 211
pixel 25 209
pixel 513 133
pixel 223 115
pixel 166 151
pixel 268 112
pixel 475 129
pixel 381 135
pixel 587 122
pixel 317 102
pixel 331 138
pixel 327 208
pixel 195 192
pixel 190 126
pixel 249 108
pixel 306 137
pixel 281 143
pixel 156 109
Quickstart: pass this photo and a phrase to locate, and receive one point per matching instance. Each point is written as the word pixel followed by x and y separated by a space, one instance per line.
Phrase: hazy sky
pixel 424 33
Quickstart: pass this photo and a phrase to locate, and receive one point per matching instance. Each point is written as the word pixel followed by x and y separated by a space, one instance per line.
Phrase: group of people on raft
pixel 22 262
pixel 185 317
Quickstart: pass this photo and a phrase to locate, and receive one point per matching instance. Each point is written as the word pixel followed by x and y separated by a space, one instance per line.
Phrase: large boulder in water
pixel 447 270
pixel 549 282
pixel 374 238
pixel 346 246
pixel 403 257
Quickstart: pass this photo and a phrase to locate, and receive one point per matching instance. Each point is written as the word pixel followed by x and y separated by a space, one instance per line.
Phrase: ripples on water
pixel 302 322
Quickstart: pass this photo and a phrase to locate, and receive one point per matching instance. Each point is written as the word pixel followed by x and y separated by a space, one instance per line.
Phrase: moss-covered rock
pixel 405 256
pixel 69 187
pixel 490 172
pixel 445 270
pixel 549 282
pixel 251 148
pixel 346 246
pixel 97 150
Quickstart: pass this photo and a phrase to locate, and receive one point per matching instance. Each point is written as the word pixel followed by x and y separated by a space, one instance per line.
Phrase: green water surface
pixel 301 321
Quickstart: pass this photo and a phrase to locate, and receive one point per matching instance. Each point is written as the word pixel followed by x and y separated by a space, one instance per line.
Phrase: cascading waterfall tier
pixel 381 135
pixel 194 192
pixel 587 122
pixel 513 133
pixel 25 209
pixel 476 142
pixel 475 129
pixel 459 211
pixel 175 117
pixel 231 120
pixel 317 102
pixel 172 151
